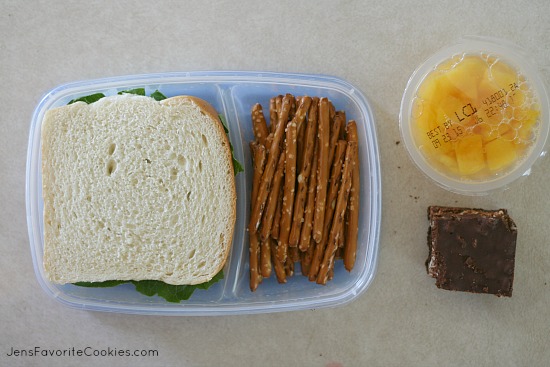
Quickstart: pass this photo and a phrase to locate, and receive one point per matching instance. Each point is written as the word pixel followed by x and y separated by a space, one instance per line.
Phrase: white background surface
pixel 402 319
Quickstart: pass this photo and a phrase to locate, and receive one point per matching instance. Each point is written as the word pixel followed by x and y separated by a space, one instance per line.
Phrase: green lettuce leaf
pixel 138 91
pixel 157 96
pixel 171 293
pixel 105 284
pixel 88 99
pixel 237 166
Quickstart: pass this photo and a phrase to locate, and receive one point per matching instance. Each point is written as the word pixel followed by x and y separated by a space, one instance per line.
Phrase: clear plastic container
pixel 232 94
pixel 475 116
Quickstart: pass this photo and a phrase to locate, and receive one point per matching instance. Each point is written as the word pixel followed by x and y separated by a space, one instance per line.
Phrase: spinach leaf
pixel 138 91
pixel 237 166
pixel 88 99
pixel 158 96
pixel 171 293
pixel 105 284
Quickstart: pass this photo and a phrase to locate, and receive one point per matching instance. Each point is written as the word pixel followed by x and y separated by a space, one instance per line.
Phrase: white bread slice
pixel 136 189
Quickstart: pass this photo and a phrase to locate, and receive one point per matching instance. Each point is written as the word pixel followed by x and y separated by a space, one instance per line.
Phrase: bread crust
pixel 49 177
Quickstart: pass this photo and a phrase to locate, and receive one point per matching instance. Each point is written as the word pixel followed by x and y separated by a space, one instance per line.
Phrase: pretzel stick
pixel 342 236
pixel 303 265
pixel 292 110
pixel 334 136
pixel 331 206
pixel 330 274
pixel 278 266
pixel 342 135
pixel 258 153
pixel 305 103
pixel 265 259
pixel 273 113
pixel 352 226
pixel 303 130
pixel 294 254
pixel 269 171
pixel 265 251
pixel 254 252
pixel 275 227
pixel 334 185
pixel 289 191
pixel 273 200
pixel 259 125
pixel 331 111
pixel 342 116
pixel 292 258
pixel 305 171
pixel 339 212
pixel 307 225
pixel 268 141
pixel 323 169
pixel 289 267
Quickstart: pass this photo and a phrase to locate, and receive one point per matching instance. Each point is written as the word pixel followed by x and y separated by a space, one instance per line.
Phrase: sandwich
pixel 136 189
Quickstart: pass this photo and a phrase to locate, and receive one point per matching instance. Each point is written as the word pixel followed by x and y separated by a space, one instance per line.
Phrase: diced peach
pixel 426 120
pixel 500 154
pixel 429 89
pixel 449 161
pixel 503 75
pixel 527 117
pixel 467 75
pixel 449 108
pixel 516 98
pixel 506 132
pixel 525 130
pixel 486 131
pixel 469 155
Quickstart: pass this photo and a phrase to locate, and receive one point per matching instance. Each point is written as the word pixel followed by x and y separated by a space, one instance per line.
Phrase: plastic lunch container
pixel 475 116
pixel 232 94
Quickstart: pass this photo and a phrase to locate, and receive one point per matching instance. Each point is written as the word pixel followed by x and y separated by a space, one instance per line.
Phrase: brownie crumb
pixel 472 250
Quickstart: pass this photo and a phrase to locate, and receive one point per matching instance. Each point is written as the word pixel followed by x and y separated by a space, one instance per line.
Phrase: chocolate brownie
pixel 472 250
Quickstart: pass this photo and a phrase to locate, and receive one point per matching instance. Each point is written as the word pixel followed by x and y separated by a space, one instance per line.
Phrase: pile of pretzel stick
pixel 305 190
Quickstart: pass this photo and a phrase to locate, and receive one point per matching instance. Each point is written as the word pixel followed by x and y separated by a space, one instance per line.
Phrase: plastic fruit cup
pixel 474 116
